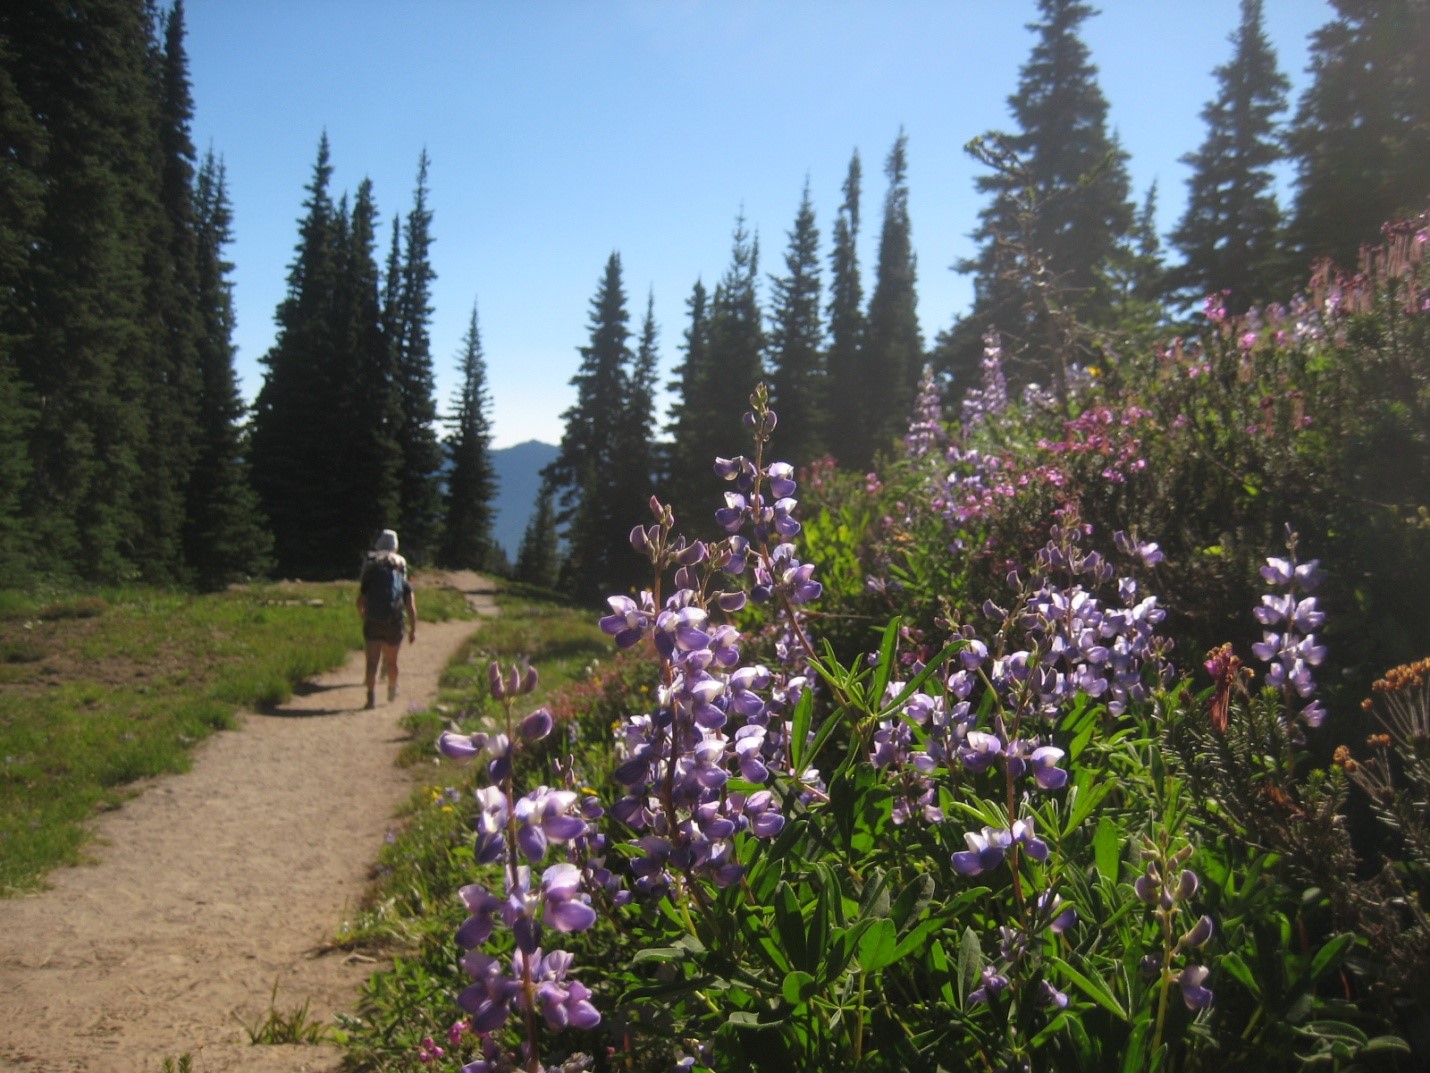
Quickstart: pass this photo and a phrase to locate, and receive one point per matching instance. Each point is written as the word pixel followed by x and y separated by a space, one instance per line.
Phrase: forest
pixel 126 451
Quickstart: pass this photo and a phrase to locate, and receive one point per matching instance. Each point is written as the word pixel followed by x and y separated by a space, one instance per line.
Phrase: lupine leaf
pixel 877 945
pixel 1330 953
pixel 970 963
pixel 1093 988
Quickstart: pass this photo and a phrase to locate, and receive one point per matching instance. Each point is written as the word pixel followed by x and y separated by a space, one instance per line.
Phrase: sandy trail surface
pixel 211 886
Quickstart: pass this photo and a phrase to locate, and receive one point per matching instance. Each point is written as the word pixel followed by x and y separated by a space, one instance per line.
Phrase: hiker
pixel 384 596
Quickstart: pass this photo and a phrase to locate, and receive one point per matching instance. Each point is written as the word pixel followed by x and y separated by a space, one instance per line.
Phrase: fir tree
pixel 685 470
pixel 22 199
pixel 225 538
pixel 538 560
pixel 633 476
pixel 1137 277
pixel 293 453
pixel 365 495
pixel 797 374
pixel 87 75
pixel 1230 234
pixel 1059 209
pixel 471 478
pixel 716 391
pixel 420 449
pixel 583 475
pixel 1361 137
pixel 846 432
pixel 893 347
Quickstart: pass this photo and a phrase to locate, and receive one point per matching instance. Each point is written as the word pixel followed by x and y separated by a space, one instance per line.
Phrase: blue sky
pixel 561 130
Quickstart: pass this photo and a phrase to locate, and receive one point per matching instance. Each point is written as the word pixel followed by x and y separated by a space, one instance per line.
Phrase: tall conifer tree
pixel 467 541
pixel 1059 208
pixel 421 451
pixel 225 538
pixel 846 431
pixel 634 473
pixel 797 373
pixel 893 346
pixel 172 379
pixel 87 74
pixel 583 476
pixel 293 452
pixel 538 559
pixel 22 199
pixel 685 471
pixel 1230 234
pixel 366 492
pixel 1361 138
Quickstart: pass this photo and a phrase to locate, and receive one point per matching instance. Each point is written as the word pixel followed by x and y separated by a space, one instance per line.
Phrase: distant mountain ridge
pixel 518 470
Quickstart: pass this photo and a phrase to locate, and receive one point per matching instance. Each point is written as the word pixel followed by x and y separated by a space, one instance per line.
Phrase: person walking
pixel 384 601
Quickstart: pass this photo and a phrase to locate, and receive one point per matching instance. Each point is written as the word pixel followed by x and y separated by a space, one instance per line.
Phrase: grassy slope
pixel 100 690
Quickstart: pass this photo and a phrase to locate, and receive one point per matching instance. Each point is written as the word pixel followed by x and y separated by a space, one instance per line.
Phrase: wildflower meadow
pixel 1090 732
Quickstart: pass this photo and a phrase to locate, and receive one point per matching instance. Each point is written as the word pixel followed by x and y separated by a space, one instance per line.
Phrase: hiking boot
pixel 391 690
pixel 371 702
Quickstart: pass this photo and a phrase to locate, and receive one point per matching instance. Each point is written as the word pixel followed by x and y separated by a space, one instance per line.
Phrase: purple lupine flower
pixel 483 907
pixel 991 983
pixel 979 750
pixel 1048 995
pixel 458 747
pixel 1200 933
pixel 628 621
pixel 1044 763
pixel 565 907
pixel 1194 994
pixel 561 1002
pixel 544 816
pixel 1022 834
pixel 1063 916
pixel 985 851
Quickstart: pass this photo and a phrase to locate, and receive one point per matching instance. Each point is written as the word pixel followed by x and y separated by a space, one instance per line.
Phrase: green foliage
pixel 276 1027
pixel 471 483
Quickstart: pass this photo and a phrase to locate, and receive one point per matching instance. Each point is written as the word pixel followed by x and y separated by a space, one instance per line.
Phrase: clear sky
pixel 562 130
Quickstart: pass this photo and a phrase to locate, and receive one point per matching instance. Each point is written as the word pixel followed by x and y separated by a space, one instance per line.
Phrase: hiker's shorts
pixel 389 631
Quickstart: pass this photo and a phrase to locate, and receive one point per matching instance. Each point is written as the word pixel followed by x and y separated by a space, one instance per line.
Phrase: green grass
pixel 103 689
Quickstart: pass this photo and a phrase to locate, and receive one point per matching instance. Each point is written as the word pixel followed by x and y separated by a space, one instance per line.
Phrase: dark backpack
pixel 382 587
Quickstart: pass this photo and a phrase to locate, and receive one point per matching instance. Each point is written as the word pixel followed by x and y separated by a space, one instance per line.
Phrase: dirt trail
pixel 210 886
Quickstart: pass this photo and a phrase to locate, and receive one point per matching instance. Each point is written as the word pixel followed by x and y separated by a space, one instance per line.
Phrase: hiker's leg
pixel 389 657
pixel 374 650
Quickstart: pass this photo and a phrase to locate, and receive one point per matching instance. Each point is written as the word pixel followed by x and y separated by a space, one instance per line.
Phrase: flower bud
pixel 1200 933
pixel 495 682
pixel 537 725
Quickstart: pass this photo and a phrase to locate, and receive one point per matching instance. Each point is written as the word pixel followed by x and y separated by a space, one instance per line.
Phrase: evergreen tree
pixel 225 538
pixel 1361 137
pixel 633 476
pixel 893 347
pixel 293 451
pixel 1230 233
pixel 797 373
pixel 22 200
pixel 467 541
pixel 716 391
pixel 686 471
pixel 1059 209
pixel 172 377
pixel 420 449
pixel 365 493
pixel 90 331
pixel 538 561
pixel 846 432
pixel 583 475
pixel 1137 277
